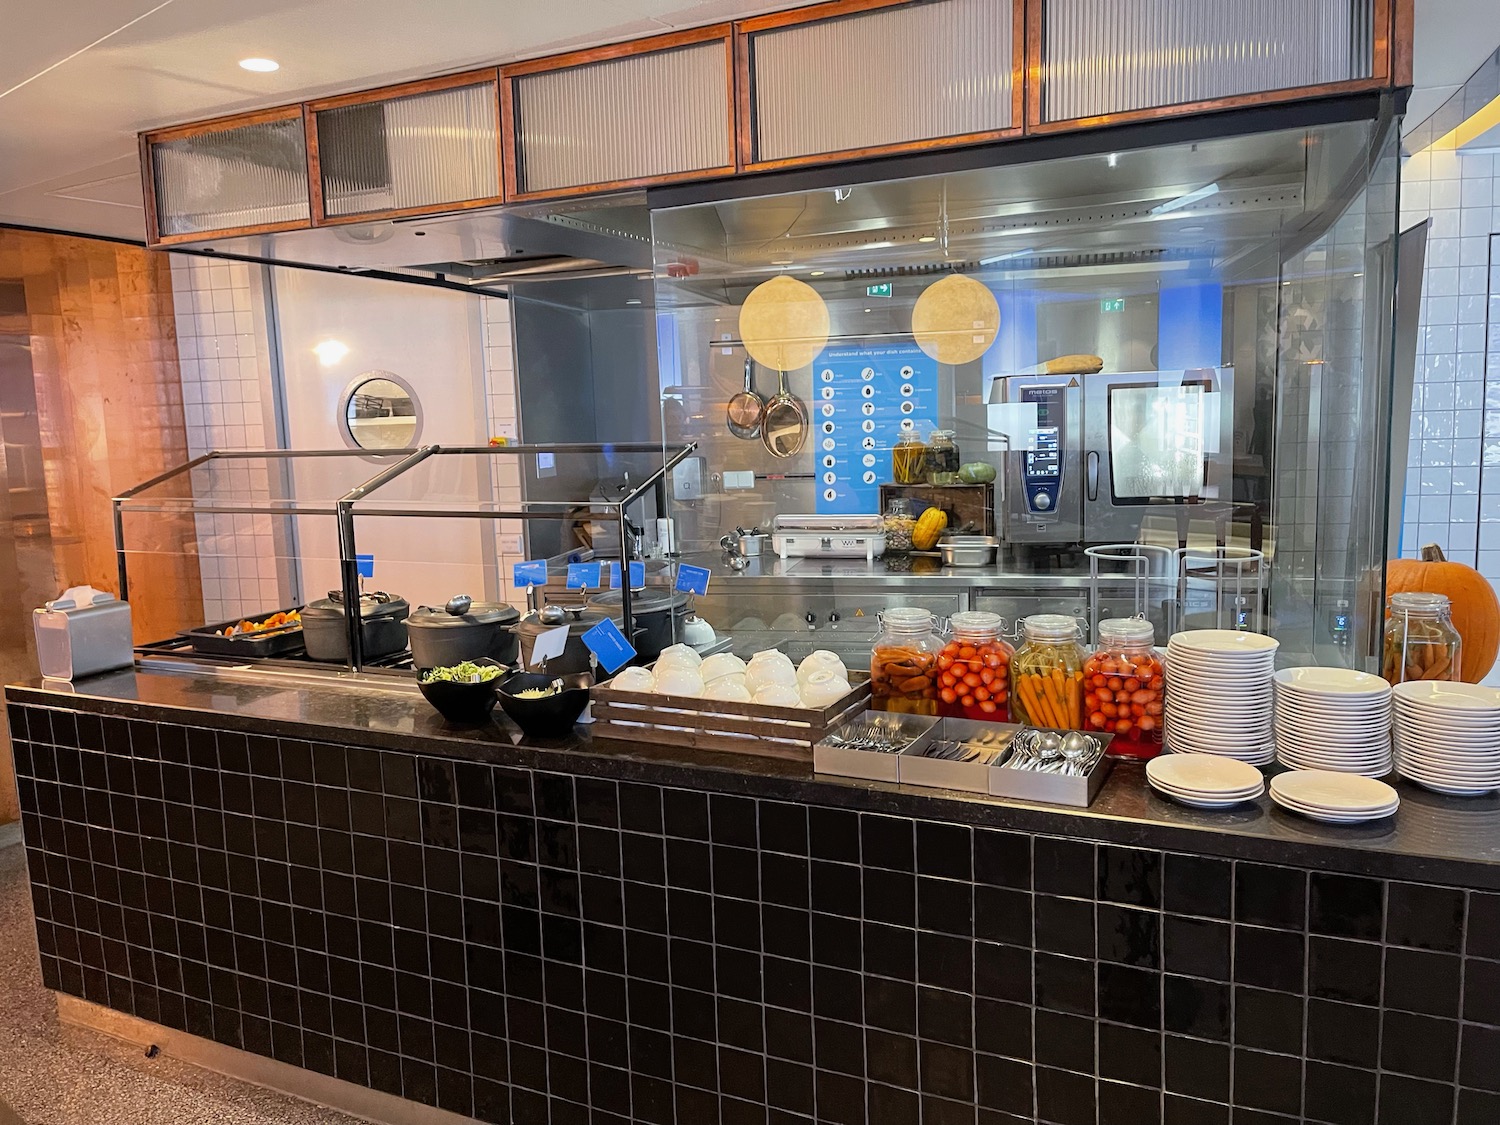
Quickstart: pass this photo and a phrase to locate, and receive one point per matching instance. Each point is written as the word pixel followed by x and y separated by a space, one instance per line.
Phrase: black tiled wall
pixel 538 948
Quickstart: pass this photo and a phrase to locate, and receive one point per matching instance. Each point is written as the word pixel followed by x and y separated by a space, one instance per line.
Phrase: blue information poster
pixel 864 397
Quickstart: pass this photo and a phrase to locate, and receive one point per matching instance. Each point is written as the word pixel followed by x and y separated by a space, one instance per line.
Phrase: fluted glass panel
pixel 415 151
pixel 1111 56
pixel 643 115
pixel 240 177
pixel 887 76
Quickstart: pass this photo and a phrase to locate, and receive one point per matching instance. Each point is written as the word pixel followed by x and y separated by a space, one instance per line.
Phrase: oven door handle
pixel 1091 463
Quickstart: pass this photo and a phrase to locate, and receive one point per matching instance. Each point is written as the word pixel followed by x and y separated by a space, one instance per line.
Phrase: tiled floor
pixel 56 1075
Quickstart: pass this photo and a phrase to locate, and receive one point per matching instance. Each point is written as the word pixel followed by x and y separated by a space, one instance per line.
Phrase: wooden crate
pixel 714 724
pixel 967 505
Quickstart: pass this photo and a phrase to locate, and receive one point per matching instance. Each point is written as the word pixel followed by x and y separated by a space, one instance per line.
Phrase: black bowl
pixel 468 704
pixel 551 716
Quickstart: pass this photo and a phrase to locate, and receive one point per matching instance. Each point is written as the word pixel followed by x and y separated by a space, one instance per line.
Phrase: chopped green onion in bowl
pixel 465 673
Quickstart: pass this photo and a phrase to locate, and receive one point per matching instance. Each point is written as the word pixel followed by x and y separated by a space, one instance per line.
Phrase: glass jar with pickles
pixel 1420 640
pixel 1123 688
pixel 943 459
pixel 909 459
pixel 1046 674
pixel 903 664
pixel 974 669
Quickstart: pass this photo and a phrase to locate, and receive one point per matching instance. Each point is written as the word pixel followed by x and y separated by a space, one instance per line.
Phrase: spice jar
pixel 903 665
pixel 974 669
pixel 1046 673
pixel 1123 688
pixel 900 522
pixel 943 460
pixel 1420 640
pixel 908 459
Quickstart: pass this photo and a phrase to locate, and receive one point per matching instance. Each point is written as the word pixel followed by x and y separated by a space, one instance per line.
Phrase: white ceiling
pixel 79 79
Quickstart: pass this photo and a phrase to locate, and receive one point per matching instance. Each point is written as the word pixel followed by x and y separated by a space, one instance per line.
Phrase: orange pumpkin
pixel 1476 609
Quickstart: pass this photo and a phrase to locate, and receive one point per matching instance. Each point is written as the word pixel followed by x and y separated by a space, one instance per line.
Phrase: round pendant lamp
pixel 955 320
pixel 784 323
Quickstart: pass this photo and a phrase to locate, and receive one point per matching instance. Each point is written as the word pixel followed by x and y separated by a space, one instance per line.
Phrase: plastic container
pixel 1046 674
pixel 974 669
pixel 943 459
pixel 83 633
pixel 1123 687
pixel 909 460
pixel 903 664
pixel 1420 640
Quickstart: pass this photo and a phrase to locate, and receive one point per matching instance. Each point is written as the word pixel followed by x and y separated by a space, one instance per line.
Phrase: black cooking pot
pixel 382 626
pixel 441 638
pixel 658 614
pixel 575 656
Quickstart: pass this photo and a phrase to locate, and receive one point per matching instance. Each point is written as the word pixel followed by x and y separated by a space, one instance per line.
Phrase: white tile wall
pixel 504 422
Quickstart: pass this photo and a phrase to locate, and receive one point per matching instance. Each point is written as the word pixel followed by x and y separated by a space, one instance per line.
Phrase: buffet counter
pixel 319 870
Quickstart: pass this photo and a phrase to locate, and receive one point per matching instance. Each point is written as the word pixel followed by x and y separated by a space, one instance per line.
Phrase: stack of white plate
pixel 1204 781
pixel 1333 719
pixel 1219 694
pixel 1334 798
pixel 1448 736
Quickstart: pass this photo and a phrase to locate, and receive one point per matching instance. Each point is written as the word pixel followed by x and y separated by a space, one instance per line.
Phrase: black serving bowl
pixel 551 716
pixel 467 704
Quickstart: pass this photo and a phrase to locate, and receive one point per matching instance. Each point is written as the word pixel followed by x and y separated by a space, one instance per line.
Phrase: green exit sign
pixel 881 290
pixel 1112 304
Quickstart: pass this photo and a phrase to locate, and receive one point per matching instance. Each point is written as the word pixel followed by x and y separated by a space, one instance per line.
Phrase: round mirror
pixel 379 410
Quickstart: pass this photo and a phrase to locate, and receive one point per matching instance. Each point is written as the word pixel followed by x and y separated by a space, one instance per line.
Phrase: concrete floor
pixel 51 1074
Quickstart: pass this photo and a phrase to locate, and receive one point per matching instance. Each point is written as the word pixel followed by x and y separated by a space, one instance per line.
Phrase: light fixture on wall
pixel 259 66
pixel 329 352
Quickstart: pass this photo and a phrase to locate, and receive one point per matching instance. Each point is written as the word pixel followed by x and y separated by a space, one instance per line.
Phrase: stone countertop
pixel 1431 838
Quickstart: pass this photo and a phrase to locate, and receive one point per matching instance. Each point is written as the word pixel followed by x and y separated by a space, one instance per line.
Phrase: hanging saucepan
pixel 746 407
pixel 783 430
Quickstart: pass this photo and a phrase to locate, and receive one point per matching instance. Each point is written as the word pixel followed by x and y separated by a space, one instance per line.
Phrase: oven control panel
pixel 1042 465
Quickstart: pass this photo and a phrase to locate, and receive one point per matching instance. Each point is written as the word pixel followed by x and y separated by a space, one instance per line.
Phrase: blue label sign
pixel 637 576
pixel 608 645
pixel 692 580
pixel 533 573
pixel 583 576
pixel 366 564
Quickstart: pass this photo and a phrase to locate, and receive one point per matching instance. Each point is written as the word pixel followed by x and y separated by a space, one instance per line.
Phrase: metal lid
pixel 1132 631
pixel 375 604
pixel 641 601
pixel 480 613
pixel 576 618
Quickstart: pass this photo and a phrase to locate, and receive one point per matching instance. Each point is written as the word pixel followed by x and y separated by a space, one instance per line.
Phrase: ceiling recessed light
pixel 928 238
pixel 781 261
pixel 329 352
pixel 817 273
pixel 633 301
pixel 260 66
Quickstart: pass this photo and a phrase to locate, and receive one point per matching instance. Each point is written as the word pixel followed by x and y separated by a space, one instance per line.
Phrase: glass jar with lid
pixel 903 663
pixel 1420 640
pixel 1123 688
pixel 1046 673
pixel 974 668
pixel 943 460
pixel 900 521
pixel 909 459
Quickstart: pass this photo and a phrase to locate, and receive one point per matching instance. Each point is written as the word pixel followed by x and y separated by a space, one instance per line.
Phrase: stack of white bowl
pixel 1333 719
pixel 1448 736
pixel 770 678
pixel 1219 694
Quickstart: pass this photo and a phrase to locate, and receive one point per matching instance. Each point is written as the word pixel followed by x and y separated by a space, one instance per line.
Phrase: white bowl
pixel 634 679
pixel 720 664
pixel 778 695
pixel 729 689
pixel 821 660
pixel 823 689
pixel 681 651
pixel 679 681
pixel 770 673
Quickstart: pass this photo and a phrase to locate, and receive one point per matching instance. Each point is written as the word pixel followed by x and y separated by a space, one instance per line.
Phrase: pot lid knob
pixel 459 604
pixel 552 615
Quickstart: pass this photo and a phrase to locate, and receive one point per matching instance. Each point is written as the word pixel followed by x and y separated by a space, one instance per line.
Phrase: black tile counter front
pixel 590 931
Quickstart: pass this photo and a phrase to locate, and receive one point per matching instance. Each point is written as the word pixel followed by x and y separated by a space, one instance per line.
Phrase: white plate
pixel 1262 757
pixel 1380 710
pixel 1452 720
pixel 1203 773
pixel 1445 770
pixel 1222 640
pixel 1332 818
pixel 1228 735
pixel 1456 746
pixel 1447 789
pixel 1332 681
pixel 1333 753
pixel 1333 792
pixel 1447 695
pixel 1380 769
pixel 1205 803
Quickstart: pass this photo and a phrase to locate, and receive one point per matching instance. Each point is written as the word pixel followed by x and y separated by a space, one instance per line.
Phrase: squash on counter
pixel 1476 609
pixel 929 529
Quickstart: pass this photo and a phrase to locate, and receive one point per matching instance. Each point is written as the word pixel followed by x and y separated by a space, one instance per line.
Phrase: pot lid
pixel 375 604
pixel 577 619
pixel 641 601
pixel 480 613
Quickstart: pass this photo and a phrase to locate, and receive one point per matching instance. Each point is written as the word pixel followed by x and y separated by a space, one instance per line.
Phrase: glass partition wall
pixel 1192 361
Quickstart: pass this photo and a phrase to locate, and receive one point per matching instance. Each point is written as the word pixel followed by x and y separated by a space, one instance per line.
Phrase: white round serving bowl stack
pixel 1333 719
pixel 1218 694
pixel 1447 736
pixel 1204 781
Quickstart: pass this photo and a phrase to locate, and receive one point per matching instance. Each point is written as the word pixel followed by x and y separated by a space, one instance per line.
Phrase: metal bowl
pixel 968 550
